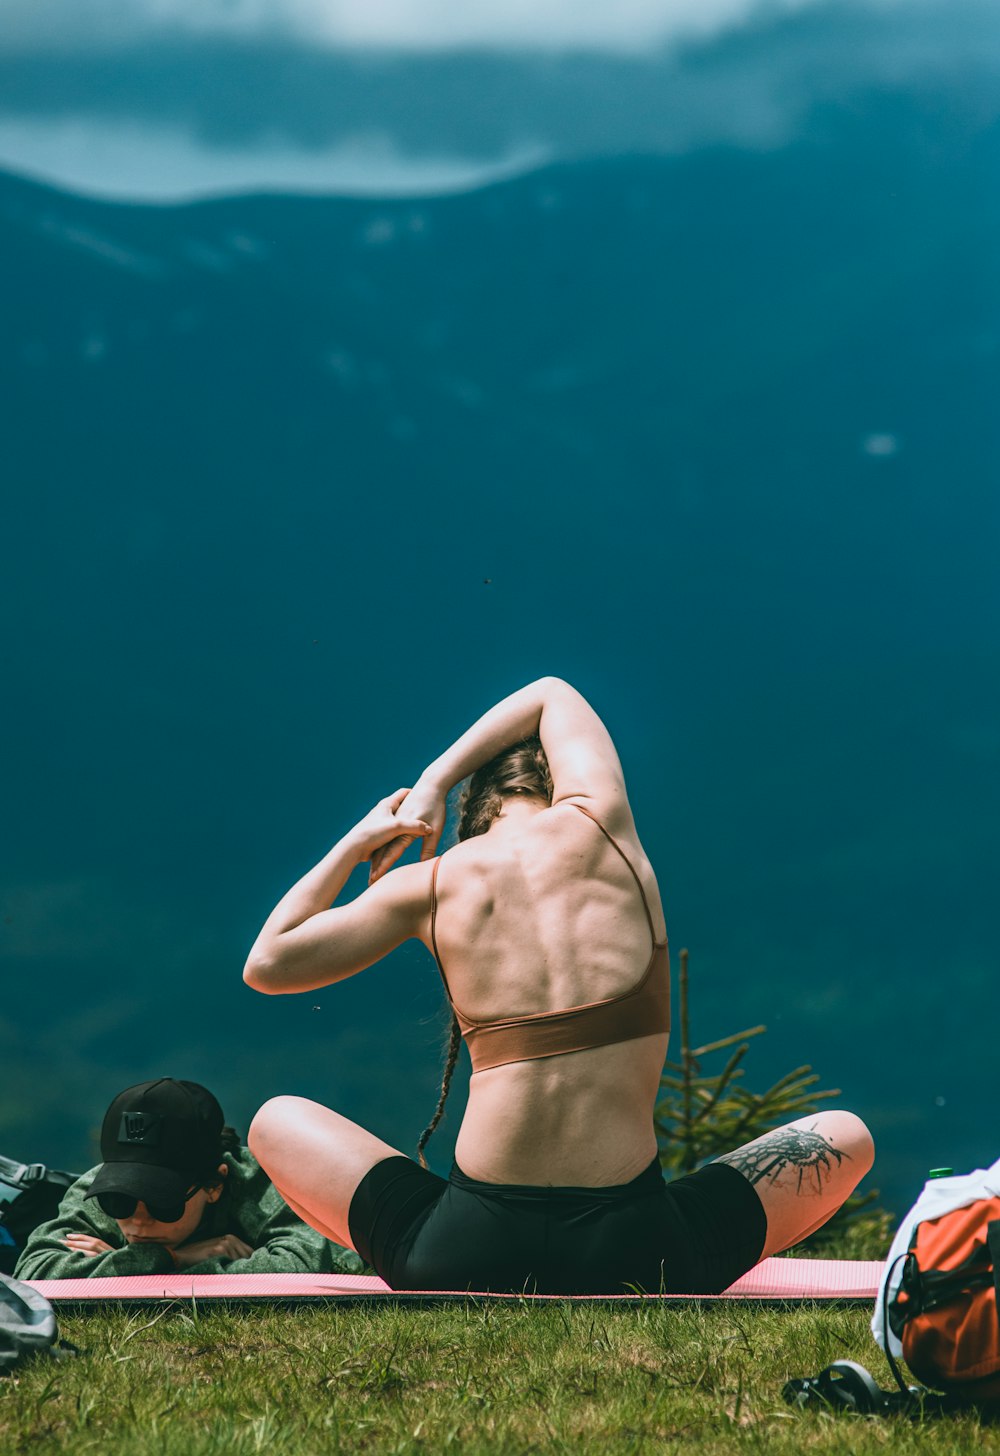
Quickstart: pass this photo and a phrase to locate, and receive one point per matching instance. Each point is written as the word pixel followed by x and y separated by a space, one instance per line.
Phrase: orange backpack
pixel 937 1308
pixel 944 1310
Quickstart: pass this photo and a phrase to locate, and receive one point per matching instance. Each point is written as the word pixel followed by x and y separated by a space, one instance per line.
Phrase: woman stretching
pixel 546 924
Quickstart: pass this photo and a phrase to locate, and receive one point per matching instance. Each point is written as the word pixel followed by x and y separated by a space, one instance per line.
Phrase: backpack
pixel 27 1325
pixel 938 1301
pixel 30 1194
pixel 937 1309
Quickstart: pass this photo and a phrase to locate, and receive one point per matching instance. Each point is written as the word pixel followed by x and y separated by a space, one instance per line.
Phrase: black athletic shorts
pixel 695 1235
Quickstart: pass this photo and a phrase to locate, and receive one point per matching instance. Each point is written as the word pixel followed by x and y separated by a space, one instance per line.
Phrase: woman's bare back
pixel 542 914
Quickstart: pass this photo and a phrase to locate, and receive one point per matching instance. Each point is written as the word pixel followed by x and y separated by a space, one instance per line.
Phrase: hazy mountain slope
pixel 294 485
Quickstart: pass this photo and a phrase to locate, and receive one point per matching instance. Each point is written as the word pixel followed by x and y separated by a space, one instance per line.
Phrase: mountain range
pixel 296 486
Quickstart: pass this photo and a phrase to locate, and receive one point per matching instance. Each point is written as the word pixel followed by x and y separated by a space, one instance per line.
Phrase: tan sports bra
pixel 642 1011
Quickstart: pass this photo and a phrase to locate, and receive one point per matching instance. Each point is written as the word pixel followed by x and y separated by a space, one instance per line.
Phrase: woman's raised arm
pixel 305 944
pixel 582 760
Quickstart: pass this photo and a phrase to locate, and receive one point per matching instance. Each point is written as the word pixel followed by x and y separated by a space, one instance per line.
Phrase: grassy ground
pixel 470 1379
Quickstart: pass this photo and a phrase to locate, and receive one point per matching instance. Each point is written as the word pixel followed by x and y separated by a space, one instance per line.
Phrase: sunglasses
pixel 123 1205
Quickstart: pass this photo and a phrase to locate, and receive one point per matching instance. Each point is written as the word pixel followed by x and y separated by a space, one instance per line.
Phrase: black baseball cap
pixel 158 1140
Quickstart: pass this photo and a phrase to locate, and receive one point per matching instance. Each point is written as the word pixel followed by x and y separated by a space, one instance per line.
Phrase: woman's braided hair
pixel 523 769
pixel 454 1042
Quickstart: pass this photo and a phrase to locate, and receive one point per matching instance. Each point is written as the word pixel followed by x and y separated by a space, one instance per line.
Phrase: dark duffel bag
pixel 31 1194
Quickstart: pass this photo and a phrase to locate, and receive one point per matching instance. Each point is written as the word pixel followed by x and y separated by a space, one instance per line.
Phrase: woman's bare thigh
pixel 803 1172
pixel 316 1159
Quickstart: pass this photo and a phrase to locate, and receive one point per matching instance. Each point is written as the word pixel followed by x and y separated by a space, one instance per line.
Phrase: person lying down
pixel 176 1191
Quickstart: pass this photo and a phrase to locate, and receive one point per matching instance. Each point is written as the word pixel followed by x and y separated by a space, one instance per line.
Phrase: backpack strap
pixel 993 1244
pixel 846 1385
pixel 926 1289
pixel 24 1175
pixel 909 1398
pixel 21 1175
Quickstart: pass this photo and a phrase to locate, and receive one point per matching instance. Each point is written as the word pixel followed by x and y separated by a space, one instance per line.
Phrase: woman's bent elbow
pixel 257 974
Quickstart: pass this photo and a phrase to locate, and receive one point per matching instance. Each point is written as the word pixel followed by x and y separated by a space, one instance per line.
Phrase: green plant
pixel 700 1115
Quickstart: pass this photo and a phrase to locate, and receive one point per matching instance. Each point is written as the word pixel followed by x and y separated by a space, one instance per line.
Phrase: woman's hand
pixel 385 829
pixel 224 1246
pixel 86 1244
pixel 425 805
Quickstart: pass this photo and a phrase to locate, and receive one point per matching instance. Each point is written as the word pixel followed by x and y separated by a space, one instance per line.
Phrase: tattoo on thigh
pixel 790 1147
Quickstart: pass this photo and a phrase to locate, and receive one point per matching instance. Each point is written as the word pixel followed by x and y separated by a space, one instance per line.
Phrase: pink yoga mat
pixel 775 1279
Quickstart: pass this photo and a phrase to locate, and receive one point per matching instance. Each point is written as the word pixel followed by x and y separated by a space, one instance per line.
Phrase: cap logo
pixel 142 1128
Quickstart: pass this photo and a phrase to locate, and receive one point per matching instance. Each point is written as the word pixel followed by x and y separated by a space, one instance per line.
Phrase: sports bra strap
pixel 616 846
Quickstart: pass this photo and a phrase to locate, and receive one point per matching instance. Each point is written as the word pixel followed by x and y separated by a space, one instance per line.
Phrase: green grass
pixel 477 1378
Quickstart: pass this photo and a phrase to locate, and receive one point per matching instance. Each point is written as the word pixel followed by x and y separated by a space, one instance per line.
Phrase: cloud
pixel 536 24
pixel 150 163
pixel 410 25
pixel 261 107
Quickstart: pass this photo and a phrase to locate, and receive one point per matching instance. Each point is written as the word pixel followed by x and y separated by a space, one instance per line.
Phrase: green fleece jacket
pixel 249 1207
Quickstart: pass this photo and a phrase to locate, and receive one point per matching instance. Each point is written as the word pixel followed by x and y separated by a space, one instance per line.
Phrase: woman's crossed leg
pixel 316 1159
pixel 803 1172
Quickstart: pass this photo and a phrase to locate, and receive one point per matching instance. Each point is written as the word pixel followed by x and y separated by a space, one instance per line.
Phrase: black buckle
pixel 846 1385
